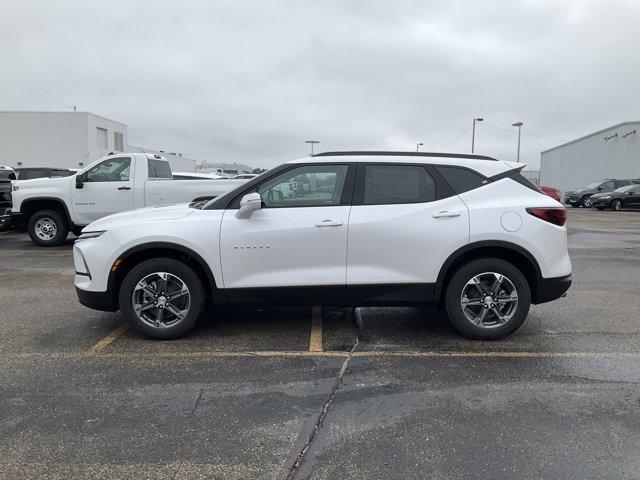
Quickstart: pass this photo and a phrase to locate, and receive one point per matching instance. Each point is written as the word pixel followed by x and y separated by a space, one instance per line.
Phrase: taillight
pixel 555 215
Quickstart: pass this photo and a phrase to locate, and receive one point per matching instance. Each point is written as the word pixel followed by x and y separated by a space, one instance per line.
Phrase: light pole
pixel 519 125
pixel 473 132
pixel 311 142
pixel 418 145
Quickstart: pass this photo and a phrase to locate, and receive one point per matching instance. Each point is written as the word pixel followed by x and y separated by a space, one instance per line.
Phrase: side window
pixel 112 170
pixel 390 184
pixel 305 186
pixel 461 179
pixel 159 169
pixel 608 185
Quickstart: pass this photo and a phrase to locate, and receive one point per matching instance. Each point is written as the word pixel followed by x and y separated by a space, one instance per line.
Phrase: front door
pixel 632 198
pixel 293 250
pixel 107 189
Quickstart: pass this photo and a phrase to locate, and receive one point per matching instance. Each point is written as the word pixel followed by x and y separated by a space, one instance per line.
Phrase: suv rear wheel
pixel 48 228
pixel 161 298
pixel 487 299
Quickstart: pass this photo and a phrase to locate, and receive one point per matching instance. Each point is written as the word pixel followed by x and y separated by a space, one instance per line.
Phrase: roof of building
pixel 599 132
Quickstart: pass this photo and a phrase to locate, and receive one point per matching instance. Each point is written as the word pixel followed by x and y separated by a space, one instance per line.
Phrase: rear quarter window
pixel 159 169
pixel 462 179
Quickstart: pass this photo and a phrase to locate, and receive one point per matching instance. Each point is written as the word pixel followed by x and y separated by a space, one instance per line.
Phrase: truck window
pixel 159 169
pixel 112 170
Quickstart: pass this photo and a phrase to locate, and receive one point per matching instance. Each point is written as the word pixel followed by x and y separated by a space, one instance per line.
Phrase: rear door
pixel 405 221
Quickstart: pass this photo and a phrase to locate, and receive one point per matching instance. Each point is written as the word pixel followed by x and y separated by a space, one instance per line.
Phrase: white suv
pixel 463 232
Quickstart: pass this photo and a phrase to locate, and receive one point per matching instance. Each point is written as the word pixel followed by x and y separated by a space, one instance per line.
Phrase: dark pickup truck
pixel 5 204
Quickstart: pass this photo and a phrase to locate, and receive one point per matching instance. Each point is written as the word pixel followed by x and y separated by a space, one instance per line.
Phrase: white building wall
pixel 93 123
pixel 43 139
pixel 588 159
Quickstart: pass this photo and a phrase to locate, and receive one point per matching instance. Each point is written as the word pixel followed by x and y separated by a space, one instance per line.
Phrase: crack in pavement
pixel 323 413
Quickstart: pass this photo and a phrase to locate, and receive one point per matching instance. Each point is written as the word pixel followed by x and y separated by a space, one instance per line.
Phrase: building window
pixel 118 142
pixel 102 140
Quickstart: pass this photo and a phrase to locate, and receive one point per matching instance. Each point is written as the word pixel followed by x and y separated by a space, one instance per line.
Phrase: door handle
pixel 447 213
pixel 124 188
pixel 329 223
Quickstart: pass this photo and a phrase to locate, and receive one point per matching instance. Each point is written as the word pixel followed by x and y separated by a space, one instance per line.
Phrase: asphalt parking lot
pixel 305 393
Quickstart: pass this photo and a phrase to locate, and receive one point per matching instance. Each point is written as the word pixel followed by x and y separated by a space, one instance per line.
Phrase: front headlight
pixel 88 235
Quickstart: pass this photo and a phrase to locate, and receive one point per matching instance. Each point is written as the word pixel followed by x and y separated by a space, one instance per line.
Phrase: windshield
pixel 7 175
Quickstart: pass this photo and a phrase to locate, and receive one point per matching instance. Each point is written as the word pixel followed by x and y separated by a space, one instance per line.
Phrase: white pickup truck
pixel 51 207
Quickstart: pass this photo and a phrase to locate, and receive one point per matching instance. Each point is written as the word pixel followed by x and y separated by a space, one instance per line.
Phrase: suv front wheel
pixel 487 299
pixel 161 298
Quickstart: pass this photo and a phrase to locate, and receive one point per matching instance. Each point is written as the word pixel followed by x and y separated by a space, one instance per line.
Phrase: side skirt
pixel 335 295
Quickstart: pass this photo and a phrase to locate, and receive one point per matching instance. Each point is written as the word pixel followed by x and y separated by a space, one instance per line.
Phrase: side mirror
pixel 599 189
pixel 80 180
pixel 250 203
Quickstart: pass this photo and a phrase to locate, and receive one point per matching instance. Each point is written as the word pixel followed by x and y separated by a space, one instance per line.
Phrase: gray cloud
pixel 250 81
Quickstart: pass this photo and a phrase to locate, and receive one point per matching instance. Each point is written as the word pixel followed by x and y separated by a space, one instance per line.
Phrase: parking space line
pixel 304 353
pixel 106 341
pixel 315 341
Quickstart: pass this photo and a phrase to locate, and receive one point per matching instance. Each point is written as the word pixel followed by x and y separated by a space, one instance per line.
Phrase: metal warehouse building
pixel 67 140
pixel 610 153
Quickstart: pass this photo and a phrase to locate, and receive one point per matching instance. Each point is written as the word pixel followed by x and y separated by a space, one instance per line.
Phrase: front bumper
pixel 103 301
pixel 549 289
pixel 600 202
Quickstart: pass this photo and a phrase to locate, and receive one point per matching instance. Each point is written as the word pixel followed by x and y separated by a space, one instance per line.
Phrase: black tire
pixel 464 274
pixel 616 205
pixel 176 268
pixel 40 224
pixel 586 202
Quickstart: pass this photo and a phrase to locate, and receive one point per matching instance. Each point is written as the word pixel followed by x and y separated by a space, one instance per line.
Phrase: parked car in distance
pixel 622 198
pixel 28 173
pixel 466 233
pixel 582 197
pixel 245 176
pixel 551 191
pixel 51 207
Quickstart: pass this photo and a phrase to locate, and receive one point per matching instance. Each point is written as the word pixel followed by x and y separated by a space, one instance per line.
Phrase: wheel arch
pixel 137 254
pixel 30 206
pixel 514 254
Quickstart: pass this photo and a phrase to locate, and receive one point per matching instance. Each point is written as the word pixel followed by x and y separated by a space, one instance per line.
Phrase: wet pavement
pixel 404 396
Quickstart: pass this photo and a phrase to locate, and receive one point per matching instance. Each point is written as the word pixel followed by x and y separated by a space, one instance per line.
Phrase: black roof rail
pixel 404 154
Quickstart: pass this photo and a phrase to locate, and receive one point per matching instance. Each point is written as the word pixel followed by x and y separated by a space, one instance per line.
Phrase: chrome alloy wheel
pixel 489 300
pixel 161 300
pixel 45 228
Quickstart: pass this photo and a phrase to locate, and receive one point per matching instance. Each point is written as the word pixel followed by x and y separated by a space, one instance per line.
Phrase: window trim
pixel 441 190
pixel 345 198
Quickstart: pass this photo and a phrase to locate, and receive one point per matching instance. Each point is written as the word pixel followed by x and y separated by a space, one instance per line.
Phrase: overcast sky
pixel 251 81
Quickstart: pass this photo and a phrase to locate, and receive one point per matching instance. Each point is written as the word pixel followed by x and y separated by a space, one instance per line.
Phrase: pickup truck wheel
pixel 161 298
pixel 48 228
pixel 487 299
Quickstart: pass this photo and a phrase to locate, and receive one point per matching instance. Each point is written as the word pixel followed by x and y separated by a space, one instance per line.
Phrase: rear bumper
pixel 97 300
pixel 549 289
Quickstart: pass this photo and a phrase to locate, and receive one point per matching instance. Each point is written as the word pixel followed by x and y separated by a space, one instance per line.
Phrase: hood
pixel 141 215
pixel 39 182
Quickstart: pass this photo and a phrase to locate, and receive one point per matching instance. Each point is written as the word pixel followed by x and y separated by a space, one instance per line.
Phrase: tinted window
pixel 112 170
pixel 389 184
pixel 461 179
pixel 305 186
pixel 610 185
pixel 60 173
pixel 159 169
